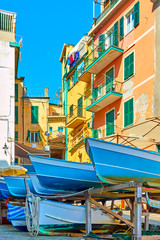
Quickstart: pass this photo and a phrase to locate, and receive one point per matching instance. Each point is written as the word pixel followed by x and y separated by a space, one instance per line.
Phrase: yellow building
pixel 33 117
pixel 76 87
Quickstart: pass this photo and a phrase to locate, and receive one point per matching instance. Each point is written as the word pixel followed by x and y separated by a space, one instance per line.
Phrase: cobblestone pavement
pixel 7 232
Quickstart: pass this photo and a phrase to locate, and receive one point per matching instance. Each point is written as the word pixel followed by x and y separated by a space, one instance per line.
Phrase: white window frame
pixel 131 10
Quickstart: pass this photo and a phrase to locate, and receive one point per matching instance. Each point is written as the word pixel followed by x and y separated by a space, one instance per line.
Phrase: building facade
pixel 9 56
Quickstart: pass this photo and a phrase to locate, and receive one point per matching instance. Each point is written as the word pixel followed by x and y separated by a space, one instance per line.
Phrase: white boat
pixel 57 217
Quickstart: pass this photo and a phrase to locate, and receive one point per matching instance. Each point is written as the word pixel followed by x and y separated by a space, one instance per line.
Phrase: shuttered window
pixel 109 80
pixel 115 37
pixel 60 129
pixel 71 110
pixel 110 123
pixel 128 113
pixel 16 114
pixel 121 28
pixel 101 44
pixel 68 84
pixel 16 92
pixel 95 133
pixel 75 76
pixel 16 136
pixel 129 66
pixel 34 114
pixel 136 14
pixel 158 148
pixel 80 107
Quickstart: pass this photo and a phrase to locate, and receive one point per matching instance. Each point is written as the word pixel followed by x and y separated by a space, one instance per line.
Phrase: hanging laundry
pixel 68 61
pixel 76 55
pixel 71 60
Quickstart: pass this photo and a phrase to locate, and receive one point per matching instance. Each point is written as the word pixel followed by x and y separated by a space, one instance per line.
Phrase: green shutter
pixel 68 84
pixel 128 113
pixel 16 92
pixel 80 107
pixel 39 136
pixel 34 114
pixel 16 136
pixel 121 28
pixel 71 110
pixel 16 114
pixel 109 80
pixel 28 136
pixel 158 148
pixel 115 34
pixel 95 92
pixel 101 44
pixel 95 133
pixel 129 66
pixel 110 123
pixel 76 76
pixel 136 14
pixel 16 161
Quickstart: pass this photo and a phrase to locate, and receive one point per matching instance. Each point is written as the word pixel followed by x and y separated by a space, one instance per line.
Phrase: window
pixel 16 92
pixel 16 161
pixel 95 133
pixel 121 28
pixel 16 136
pixel 75 76
pixel 71 110
pixel 68 84
pixel 16 114
pixel 110 123
pixel 60 129
pixel 130 21
pixel 128 112
pixel 80 107
pixel 34 137
pixel 129 66
pixel 158 148
pixel 50 130
pixel 99 133
pixel 100 87
pixel 34 114
pixel 109 80
pixel 72 81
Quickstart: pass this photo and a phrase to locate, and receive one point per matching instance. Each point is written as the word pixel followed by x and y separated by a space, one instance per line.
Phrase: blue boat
pixel 16 215
pixel 39 188
pixel 64 175
pixel 117 163
pixel 16 185
pixel 4 189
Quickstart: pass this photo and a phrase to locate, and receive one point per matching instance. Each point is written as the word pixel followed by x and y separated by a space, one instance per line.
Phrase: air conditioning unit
pixel 47 148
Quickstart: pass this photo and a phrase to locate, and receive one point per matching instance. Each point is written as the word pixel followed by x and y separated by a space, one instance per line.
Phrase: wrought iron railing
pixel 79 137
pixel 107 87
pixel 106 11
pixel 7 21
pixel 110 40
pixel 74 113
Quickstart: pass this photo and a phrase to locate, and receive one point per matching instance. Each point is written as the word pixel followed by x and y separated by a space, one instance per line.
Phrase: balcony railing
pixel 7 21
pixel 106 10
pixel 103 54
pixel 75 117
pixel 103 95
pixel 79 138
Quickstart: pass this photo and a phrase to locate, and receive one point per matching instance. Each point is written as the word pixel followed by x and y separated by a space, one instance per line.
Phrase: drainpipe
pixel 93 82
pixel 23 111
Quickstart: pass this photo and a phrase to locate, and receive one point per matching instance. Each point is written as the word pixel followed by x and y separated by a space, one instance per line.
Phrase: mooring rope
pixel 32 214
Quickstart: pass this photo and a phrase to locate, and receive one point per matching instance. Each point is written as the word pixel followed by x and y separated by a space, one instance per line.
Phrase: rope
pixel 32 214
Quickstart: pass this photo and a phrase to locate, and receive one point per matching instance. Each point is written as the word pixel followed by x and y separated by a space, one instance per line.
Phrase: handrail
pixel 111 40
pixel 76 112
pixel 80 136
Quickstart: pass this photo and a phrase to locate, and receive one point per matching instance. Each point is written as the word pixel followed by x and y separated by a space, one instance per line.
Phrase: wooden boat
pixel 58 217
pixel 16 185
pixel 39 188
pixel 64 175
pixel 16 215
pixel 4 189
pixel 115 163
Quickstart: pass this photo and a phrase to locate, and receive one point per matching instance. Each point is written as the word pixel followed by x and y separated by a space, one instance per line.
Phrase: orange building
pixel 123 59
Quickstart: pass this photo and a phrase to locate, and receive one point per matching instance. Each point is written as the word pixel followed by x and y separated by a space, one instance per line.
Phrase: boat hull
pixel 115 163
pixel 60 218
pixel 20 225
pixel 64 175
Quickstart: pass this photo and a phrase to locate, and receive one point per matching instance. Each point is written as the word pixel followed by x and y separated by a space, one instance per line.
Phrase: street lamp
pixel 5 148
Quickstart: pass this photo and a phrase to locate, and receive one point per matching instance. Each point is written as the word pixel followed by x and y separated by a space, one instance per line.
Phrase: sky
pixel 45 26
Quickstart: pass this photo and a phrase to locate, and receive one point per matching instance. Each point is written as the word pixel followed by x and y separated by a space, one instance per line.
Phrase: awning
pixel 150 128
pixel 138 142
pixel 22 151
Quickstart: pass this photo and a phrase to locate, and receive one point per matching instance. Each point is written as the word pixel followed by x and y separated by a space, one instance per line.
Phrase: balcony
pixel 103 54
pixel 75 117
pixel 110 9
pixel 79 139
pixel 104 95
pixel 7 21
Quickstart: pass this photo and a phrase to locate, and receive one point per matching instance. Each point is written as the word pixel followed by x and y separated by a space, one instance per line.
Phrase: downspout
pixel 93 83
pixel 23 111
